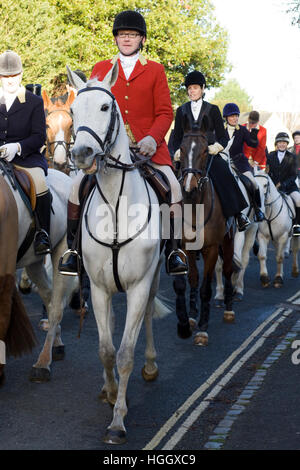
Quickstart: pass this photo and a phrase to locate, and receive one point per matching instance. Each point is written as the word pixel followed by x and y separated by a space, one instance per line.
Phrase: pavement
pixel 266 414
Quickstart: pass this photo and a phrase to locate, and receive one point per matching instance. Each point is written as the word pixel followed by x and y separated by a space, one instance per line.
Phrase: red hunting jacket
pixel 259 153
pixel 144 101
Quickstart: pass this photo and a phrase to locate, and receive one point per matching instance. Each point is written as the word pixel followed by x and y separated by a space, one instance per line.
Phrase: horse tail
pixel 20 338
pixel 161 308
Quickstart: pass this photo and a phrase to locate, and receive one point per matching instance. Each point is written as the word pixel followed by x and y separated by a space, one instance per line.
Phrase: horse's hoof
pixel 237 297
pixel 192 323
pixel 58 353
pixel 219 303
pixel 149 377
pixel 115 437
pixel 24 290
pixel 184 331
pixel 278 282
pixel 229 316
pixel 39 375
pixel 201 339
pixel 265 280
pixel 44 324
pixel 295 273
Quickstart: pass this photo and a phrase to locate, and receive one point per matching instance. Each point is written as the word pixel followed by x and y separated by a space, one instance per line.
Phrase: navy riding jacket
pixel 25 123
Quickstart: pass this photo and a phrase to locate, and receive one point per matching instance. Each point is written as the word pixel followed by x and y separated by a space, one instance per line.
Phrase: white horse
pixel 113 259
pixel 279 213
pixel 53 292
pixel 243 242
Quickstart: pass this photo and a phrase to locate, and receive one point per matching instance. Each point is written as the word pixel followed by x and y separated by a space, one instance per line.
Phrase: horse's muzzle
pixel 83 156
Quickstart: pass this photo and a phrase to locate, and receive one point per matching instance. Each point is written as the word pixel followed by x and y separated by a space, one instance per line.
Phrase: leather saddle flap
pixel 27 185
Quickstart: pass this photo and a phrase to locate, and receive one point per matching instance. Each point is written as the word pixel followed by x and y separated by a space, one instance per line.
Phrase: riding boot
pixel 242 221
pixel 256 202
pixel 42 243
pixel 71 266
pixel 296 226
pixel 173 253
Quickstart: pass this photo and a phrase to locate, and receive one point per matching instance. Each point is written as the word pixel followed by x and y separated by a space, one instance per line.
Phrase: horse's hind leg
pixel 295 247
pixel 228 249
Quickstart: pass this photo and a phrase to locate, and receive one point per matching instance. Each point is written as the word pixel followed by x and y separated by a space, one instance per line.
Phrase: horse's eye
pixel 104 107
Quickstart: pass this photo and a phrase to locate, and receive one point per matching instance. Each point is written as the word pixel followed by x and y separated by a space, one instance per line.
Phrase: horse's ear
pixel 71 98
pixel 112 76
pixel 46 99
pixel 74 80
pixel 204 124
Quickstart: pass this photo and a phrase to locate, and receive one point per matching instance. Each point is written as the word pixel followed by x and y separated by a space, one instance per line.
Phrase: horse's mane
pixel 92 82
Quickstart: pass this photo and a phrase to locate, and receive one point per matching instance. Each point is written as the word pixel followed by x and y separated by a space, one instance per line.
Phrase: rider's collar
pixel 226 125
pixel 141 58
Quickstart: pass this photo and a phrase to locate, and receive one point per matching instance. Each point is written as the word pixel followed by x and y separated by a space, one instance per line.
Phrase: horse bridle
pixel 107 143
pixel 195 171
pixel 66 145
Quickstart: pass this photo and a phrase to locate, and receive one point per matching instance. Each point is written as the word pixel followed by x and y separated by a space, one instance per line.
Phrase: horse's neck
pixel 110 179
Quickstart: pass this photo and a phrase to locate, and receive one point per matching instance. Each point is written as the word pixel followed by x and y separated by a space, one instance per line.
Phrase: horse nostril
pixel 89 151
pixel 82 152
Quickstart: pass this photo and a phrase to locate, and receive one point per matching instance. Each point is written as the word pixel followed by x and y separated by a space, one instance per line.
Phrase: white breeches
pixel 39 178
pixel 176 195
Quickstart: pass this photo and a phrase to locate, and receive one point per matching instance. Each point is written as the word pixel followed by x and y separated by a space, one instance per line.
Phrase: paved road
pixel 171 413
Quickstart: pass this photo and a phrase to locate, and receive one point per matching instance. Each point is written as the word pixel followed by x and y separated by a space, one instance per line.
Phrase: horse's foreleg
pixel 210 256
pixel 228 249
pixel 295 246
pixel 137 300
pixel 280 246
pixel 262 257
pixel 238 278
pixel 183 325
pixel 193 277
pixel 104 316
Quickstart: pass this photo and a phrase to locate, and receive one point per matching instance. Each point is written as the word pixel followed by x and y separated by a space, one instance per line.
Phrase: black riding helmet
pixel 130 19
pixel 195 78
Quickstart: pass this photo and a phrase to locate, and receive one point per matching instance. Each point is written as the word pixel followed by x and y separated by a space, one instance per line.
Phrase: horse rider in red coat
pixel 143 96
pixel 256 156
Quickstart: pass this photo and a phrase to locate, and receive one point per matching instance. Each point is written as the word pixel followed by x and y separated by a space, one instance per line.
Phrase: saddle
pixel 26 183
pixel 156 178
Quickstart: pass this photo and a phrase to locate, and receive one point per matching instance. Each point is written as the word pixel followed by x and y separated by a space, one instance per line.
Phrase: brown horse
pixel 16 333
pixel 198 191
pixel 59 131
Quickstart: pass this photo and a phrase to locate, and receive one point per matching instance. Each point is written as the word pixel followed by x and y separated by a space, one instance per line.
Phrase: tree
pixel 294 9
pixel 231 92
pixel 49 34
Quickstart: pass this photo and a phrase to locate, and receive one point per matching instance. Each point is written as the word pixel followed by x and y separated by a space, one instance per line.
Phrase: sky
pixel 264 50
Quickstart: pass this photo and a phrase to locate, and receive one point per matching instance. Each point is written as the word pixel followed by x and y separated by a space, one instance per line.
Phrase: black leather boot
pixel 296 226
pixel 242 222
pixel 259 215
pixel 71 266
pixel 173 254
pixel 42 243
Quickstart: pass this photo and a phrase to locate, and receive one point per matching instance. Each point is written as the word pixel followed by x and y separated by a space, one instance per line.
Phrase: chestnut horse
pixel 59 132
pixel 16 333
pixel 198 191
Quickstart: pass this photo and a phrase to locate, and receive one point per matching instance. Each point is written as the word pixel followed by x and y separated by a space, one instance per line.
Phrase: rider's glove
pixel 177 156
pixel 9 151
pixel 147 146
pixel 215 148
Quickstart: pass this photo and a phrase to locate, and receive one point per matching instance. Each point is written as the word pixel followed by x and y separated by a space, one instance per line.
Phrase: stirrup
pixel 47 250
pixel 297 227
pixel 62 270
pixel 177 251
